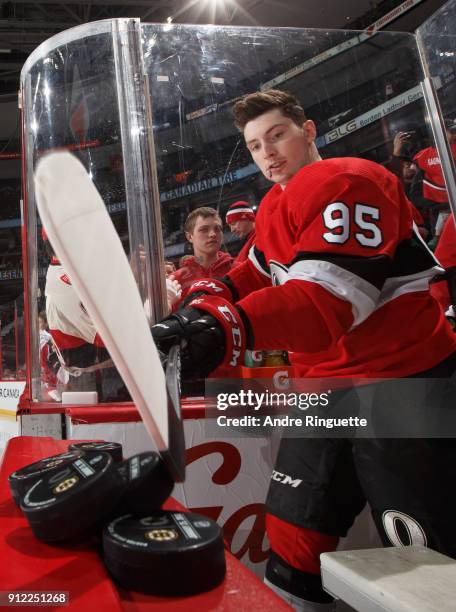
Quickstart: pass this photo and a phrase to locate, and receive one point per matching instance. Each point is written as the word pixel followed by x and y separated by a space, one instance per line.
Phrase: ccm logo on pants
pixel 285 479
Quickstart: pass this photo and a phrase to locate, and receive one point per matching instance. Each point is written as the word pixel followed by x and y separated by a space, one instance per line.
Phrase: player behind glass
pixel 204 231
pixel 241 219
pixel 339 277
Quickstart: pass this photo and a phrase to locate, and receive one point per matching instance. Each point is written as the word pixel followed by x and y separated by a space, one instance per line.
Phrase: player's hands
pixel 211 334
pixel 173 292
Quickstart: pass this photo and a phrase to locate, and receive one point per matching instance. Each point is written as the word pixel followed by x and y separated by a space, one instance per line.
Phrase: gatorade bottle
pixel 253 359
pixel 276 358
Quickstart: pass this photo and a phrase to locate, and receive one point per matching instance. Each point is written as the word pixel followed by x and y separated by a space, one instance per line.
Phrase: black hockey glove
pixel 211 334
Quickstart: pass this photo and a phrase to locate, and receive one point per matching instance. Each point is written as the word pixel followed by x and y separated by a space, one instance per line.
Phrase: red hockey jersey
pixel 193 270
pixel 339 276
pixel 433 183
pixel 446 254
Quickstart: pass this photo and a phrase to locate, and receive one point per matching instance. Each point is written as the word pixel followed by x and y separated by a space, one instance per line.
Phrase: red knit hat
pixel 239 211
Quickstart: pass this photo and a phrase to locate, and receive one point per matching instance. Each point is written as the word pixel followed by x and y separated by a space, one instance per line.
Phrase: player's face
pixel 207 235
pixel 409 170
pixel 278 146
pixel 242 228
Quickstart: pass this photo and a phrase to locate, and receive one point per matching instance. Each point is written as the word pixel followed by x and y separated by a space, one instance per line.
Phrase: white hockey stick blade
pixel 85 241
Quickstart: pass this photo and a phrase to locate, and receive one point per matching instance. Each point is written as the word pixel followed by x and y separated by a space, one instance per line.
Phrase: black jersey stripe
pixel 344 284
pixel 374 269
pixel 259 261
pixel 412 256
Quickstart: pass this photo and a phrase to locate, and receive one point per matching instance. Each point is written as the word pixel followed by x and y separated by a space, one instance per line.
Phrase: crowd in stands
pixel 421 174
pixel 10 195
pixel 12 348
pixel 341 109
pixel 179 168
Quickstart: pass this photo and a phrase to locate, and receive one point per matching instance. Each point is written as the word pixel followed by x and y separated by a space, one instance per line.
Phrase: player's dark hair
pixel 202 211
pixel 255 104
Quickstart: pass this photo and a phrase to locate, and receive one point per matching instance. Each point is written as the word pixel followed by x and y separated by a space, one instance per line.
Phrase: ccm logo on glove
pixel 235 331
pixel 208 286
pixel 229 317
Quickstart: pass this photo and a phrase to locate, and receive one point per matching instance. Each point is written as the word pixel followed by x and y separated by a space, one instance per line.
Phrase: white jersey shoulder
pixel 64 310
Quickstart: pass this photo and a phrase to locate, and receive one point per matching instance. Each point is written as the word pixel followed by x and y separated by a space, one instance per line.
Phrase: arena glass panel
pixel 70 101
pixel 436 40
pixel 352 84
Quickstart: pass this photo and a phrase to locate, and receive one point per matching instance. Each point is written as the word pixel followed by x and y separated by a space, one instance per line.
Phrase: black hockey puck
pixel 148 483
pixel 21 480
pixel 113 448
pixel 166 553
pixel 68 503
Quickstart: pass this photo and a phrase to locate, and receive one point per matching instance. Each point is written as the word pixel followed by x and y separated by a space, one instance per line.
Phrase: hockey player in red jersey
pixel 241 219
pixel 204 230
pixel 339 277
pixel 446 254
pixel 428 161
pixel 435 196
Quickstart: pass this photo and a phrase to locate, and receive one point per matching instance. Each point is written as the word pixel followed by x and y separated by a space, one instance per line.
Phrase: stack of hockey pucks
pixel 68 496
pixel 69 503
pixel 21 480
pixel 113 448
